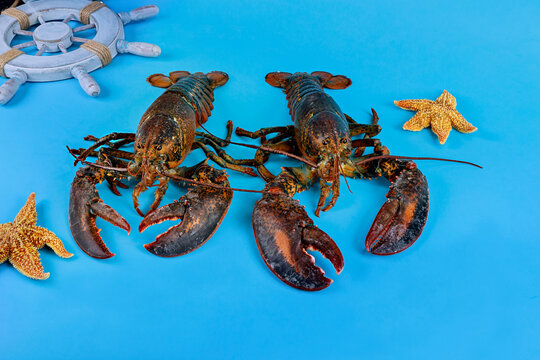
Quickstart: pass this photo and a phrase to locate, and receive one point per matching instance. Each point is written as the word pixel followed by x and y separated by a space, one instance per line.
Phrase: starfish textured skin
pixel 21 239
pixel 441 114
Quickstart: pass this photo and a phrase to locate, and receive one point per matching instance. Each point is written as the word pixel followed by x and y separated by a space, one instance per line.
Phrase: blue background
pixel 469 288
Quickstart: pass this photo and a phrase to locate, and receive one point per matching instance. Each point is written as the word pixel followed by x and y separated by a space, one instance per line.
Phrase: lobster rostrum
pixel 166 134
pixel 325 136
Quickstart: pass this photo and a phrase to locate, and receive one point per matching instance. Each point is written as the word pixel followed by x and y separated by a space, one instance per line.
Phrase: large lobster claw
pixel 401 219
pixel 201 210
pixel 283 231
pixel 84 205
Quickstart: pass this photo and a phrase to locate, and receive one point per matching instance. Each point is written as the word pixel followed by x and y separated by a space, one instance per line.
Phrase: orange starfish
pixel 21 239
pixel 441 114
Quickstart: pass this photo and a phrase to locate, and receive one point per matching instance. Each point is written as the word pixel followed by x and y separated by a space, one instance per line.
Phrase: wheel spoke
pixel 68 19
pixel 41 20
pixel 25 45
pixel 62 48
pixel 78 39
pixel 83 28
pixel 22 32
pixel 40 51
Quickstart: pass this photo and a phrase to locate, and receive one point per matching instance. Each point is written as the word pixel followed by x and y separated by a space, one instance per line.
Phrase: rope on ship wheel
pixel 7 57
pixel 86 11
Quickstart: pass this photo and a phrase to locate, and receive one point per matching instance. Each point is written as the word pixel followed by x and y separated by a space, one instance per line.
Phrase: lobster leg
pixel 109 157
pixel 369 131
pixel 223 162
pixel 261 157
pixel 84 206
pixel 223 159
pixel 102 141
pixel 284 231
pixel 265 131
pixel 219 141
pixel 201 210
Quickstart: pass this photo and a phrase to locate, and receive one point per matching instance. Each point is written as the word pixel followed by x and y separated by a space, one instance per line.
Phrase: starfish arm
pixel 421 120
pixel 4 242
pixel 441 126
pixel 415 105
pixel 25 258
pixel 41 236
pixel 447 99
pixel 4 254
pixel 459 123
pixel 27 215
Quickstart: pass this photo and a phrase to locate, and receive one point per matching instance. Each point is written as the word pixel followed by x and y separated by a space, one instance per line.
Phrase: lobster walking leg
pixel 104 140
pixel 201 210
pixel 284 231
pixel 265 131
pixel 110 157
pixel 215 139
pixel 117 144
pixel 224 160
pixel 369 131
pixel 282 141
pixel 262 157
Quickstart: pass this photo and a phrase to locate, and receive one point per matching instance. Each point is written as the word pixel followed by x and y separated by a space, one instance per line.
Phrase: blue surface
pixel 470 286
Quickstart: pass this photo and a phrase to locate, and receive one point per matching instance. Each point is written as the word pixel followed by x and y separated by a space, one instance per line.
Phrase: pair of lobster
pixel 322 137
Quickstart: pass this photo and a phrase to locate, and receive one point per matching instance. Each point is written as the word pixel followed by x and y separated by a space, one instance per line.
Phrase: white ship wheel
pixel 54 35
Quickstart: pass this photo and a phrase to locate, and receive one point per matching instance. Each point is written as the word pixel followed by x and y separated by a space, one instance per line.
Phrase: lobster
pixel 166 134
pixel 324 135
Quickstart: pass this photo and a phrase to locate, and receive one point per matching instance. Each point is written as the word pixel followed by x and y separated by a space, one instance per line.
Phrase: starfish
pixel 21 239
pixel 441 114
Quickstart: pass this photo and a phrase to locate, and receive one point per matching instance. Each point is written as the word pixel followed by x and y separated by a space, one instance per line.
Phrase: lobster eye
pixel 324 142
pixel 343 141
pixel 158 147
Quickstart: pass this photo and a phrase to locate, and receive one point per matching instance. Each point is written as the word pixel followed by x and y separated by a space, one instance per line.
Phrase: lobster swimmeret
pixel 323 134
pixel 166 134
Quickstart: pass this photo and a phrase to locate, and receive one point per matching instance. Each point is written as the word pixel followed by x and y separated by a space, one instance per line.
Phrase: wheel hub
pixel 53 35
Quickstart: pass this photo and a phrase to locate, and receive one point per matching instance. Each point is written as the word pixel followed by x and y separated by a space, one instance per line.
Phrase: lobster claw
pixel 401 219
pixel 84 206
pixel 283 231
pixel 201 210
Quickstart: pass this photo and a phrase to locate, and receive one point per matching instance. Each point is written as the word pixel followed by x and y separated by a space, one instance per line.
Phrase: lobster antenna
pixel 174 177
pixel 414 158
pixel 264 148
pixel 180 178
pixel 339 165
pixel 345 178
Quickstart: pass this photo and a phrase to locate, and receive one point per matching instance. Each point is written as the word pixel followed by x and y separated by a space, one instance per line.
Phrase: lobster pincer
pixel 284 231
pixel 201 210
pixel 84 206
pixel 402 218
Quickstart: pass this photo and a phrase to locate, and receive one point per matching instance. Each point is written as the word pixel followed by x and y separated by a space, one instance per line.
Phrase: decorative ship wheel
pixel 57 56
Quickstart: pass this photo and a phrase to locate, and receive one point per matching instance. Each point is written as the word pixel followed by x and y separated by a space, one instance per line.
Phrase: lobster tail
pixel 282 79
pixel 217 78
pixel 335 82
pixel 278 79
pixel 164 81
